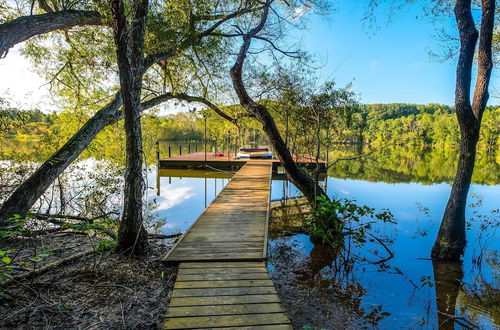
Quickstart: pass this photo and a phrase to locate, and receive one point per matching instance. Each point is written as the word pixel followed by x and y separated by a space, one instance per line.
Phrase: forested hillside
pixel 413 124
pixel 375 124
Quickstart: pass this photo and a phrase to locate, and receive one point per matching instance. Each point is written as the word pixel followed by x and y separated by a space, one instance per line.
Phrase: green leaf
pixel 6 260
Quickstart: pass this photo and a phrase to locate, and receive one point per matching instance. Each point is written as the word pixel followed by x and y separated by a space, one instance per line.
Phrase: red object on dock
pixel 219 154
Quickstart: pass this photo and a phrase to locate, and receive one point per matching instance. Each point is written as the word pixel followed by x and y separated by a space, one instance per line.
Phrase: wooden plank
pixel 192 311
pixel 268 216
pixel 221 264
pixel 216 257
pixel 209 292
pixel 223 277
pixel 225 321
pixel 225 300
pixel 194 250
pixel 196 271
pixel 196 221
pixel 224 243
pixel 221 284
pixel 263 327
pixel 207 248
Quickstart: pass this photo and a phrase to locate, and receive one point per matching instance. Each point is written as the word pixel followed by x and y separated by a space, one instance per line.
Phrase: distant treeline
pixel 396 123
pixel 414 124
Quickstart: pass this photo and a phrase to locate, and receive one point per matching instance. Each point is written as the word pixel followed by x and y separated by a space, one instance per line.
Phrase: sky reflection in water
pixel 400 294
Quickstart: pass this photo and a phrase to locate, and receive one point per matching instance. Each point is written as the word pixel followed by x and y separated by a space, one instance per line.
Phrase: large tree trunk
pixel 450 242
pixel 129 39
pixel 23 28
pixel 23 198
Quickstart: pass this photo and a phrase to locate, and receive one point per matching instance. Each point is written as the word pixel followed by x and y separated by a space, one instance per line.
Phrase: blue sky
pixel 391 65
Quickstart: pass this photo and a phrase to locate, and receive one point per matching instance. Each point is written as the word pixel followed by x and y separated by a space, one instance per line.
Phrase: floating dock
pixel 230 161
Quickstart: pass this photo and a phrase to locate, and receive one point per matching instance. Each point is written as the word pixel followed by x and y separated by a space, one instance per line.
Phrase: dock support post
pixel 205 141
pixel 158 152
pixel 169 152
pixel 189 148
pixel 180 149
pixel 158 180
pixel 196 147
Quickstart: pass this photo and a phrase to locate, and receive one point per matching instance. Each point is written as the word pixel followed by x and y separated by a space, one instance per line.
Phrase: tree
pixel 300 179
pixel 450 241
pixel 129 40
pixel 201 33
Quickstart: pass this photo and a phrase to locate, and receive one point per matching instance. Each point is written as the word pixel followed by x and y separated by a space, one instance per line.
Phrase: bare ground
pixel 98 291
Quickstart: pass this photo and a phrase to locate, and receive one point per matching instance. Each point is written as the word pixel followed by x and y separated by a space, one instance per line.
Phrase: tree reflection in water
pixel 448 278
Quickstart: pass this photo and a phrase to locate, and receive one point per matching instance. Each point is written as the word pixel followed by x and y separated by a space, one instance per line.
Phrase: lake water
pixel 402 292
pixel 348 290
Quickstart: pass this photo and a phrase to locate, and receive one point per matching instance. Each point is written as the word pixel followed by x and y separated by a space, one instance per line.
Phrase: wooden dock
pixel 230 161
pixel 223 281
pixel 234 226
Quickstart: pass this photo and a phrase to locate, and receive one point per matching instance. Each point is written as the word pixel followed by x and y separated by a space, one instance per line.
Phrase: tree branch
pixel 26 27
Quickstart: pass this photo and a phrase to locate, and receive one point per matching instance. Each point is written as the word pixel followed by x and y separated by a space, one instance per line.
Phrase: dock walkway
pixel 222 280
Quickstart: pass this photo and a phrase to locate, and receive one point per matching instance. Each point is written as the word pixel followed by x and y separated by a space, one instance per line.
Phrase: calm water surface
pixel 401 292
pixel 331 290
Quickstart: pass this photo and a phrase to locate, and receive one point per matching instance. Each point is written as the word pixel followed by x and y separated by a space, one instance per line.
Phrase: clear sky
pixel 391 65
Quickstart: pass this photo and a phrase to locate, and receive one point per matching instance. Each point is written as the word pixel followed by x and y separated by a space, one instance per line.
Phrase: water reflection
pixel 448 278
pixel 398 164
pixel 329 289
pixel 180 196
pixel 335 290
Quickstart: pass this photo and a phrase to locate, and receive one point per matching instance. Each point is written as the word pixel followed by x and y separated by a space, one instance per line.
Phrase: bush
pixel 333 220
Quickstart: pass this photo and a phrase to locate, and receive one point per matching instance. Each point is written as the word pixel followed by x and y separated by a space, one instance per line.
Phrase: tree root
pixel 46 268
pixel 53 219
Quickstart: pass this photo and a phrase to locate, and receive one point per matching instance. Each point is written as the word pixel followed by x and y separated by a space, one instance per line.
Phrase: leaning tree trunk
pixel 23 198
pixel 23 28
pixel 299 178
pixel 304 182
pixel 129 39
pixel 450 242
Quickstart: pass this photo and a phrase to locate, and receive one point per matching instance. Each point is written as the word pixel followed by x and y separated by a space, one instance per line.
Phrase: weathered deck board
pixel 225 300
pixel 237 294
pixel 234 226
pixel 222 280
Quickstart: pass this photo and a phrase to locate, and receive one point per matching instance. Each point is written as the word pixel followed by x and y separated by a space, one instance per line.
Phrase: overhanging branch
pixel 26 27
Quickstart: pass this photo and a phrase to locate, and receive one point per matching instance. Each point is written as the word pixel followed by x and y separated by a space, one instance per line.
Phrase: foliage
pixel 106 244
pixel 412 124
pixel 13 228
pixel 333 220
